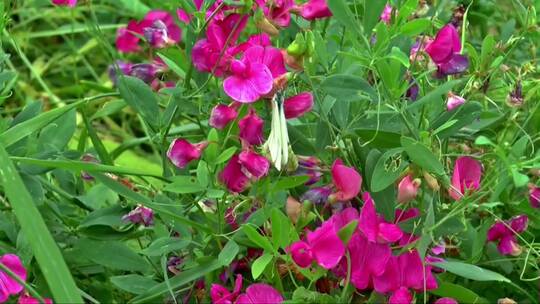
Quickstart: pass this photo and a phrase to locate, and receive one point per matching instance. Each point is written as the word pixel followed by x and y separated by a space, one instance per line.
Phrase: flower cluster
pixel 10 286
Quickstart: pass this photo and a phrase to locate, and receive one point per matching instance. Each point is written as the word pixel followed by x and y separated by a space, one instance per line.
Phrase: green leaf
pixel 415 27
pixel 133 283
pixel 289 182
pixel 520 179
pixel 372 14
pixel 422 156
pixel 471 271
pixel 164 245
pixel 348 87
pixel 140 97
pixel 483 141
pixel 387 170
pixel 228 253
pixel 259 240
pixel 203 176
pixel 184 184
pixel 398 55
pixel 343 14
pixel 48 256
pixel 23 129
pixel 280 228
pixel 56 135
pixel 259 265
pixel 460 293
pixel 435 95
pixel 111 254
pixel 346 232
pixel 185 277
pixel 226 155
pixel 111 216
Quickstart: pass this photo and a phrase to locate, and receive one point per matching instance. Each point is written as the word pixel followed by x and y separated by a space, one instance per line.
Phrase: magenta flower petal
pixel 181 152
pixel 27 299
pixel 534 196
pixel 183 16
pixel 260 293
pixel 221 116
pixel 346 180
pixel 220 294
pixel 298 105
pixel 249 84
pixel 456 64
pixel 251 128
pixel 315 9
pixel 386 14
pixel 466 177
pixel 233 176
pixel 497 231
pixel 8 285
pixel 140 215
pixel 401 296
pixel 300 253
pixel 390 279
pixel 126 41
pixel 254 164
pixel 446 301
pixel 369 223
pixel 389 232
pixel 269 56
pixel 508 245
pixel 70 3
pixel 326 246
pixel 454 101
pixel 519 223
pixel 445 44
pixel 407 189
pixel 368 260
pixel 198 4
pixel 402 216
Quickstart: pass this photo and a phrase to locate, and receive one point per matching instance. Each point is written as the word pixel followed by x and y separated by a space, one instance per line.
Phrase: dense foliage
pixel 268 151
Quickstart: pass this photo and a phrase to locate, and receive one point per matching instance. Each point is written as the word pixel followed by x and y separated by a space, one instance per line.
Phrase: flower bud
pixel 253 164
pixel 221 116
pixel 140 215
pixel 431 181
pixel 298 105
pixel 181 152
pixel 534 196
pixel 408 189
pixel 251 128
pixel 266 26
pixel 293 208
pixel 454 101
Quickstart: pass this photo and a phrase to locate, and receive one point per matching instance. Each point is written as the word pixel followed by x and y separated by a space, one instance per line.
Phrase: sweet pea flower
pixel 315 9
pixel 181 152
pixel 505 234
pixel 374 227
pixel 250 79
pixel 402 273
pixel 301 254
pixel 298 105
pixel 368 259
pixel 317 196
pixel 8 285
pixel 233 176
pixel 277 11
pixel 408 189
pixel 309 166
pixel 253 165
pixel 221 295
pixel 70 3
pixel 221 116
pixel 260 293
pixel 28 299
pixel 126 41
pixel 466 177
pixel 453 101
pixel 251 128
pixel 140 215
pixel 534 196
pixel 346 180
pixel 401 296
pixel 445 50
pixel 206 52
pixel 446 301
pixel 386 14
pixel 183 16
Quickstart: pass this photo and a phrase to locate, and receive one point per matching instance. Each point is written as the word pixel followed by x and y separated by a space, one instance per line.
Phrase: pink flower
pixel 198 4
pixel 181 152
pixel 27 299
pixel 269 56
pixel 504 233
pixel 140 215
pixel 454 101
pixel 446 301
pixel 298 105
pixel 251 128
pixel 233 176
pixel 407 189
pixel 386 14
pixel 221 295
pixel 277 11
pixel 206 52
pixel 253 164
pixel 445 51
pixel 260 293
pixel 309 166
pixel 466 177
pixel 301 253
pixel 8 285
pixel 183 16
pixel 221 116
pixel 315 9
pixel 346 180
pixel 70 3
pixel 250 80
pixel 403 272
pixel 534 196
pixel 368 260
pixel 374 227
pixel 401 296
pixel 126 41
